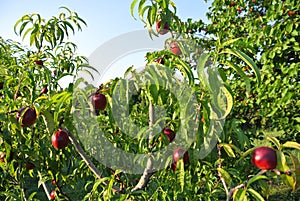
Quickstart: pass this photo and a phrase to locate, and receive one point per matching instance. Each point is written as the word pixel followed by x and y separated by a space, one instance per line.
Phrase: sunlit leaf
pixel 255 194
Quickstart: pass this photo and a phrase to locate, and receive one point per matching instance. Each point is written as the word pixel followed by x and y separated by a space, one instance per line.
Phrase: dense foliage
pixel 247 73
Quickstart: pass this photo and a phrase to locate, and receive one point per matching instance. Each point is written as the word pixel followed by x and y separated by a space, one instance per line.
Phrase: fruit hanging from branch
pixel 162 29
pixel 2 157
pixel 264 158
pixel 30 166
pixel 60 139
pixel 26 116
pixel 175 48
pixel 177 154
pixel 169 133
pixel 98 101
pixel 44 90
pixel 39 62
pixel 52 195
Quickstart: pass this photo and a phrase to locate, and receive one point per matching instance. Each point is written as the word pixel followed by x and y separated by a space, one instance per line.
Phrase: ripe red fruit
pixel 160 61
pixel 30 166
pixel 162 30
pixel 116 131
pixel 99 101
pixel 53 182
pixel 177 154
pixel 264 158
pixel 27 115
pixel 60 139
pixel 44 90
pixel 54 72
pixel 291 13
pixel 39 62
pixel 2 157
pixel 232 3
pixel 169 133
pixel 52 195
pixel 175 48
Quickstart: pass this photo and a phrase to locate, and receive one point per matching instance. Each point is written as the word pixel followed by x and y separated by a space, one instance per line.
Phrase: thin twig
pixel 148 172
pixel 19 86
pixel 241 185
pixel 220 166
pixel 44 186
pixel 89 163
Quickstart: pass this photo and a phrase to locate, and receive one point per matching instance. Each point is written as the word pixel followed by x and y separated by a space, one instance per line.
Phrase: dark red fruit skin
pixel 160 61
pixel 162 30
pixel 39 62
pixel 2 157
pixel 44 90
pixel 175 49
pixel 53 182
pixel 177 154
pixel 291 13
pixel 30 166
pixel 169 133
pixel 264 158
pixel 116 131
pixel 60 139
pixel 28 115
pixel 99 101
pixel 52 195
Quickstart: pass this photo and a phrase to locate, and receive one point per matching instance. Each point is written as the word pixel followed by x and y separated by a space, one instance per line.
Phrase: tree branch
pixel 220 166
pixel 148 172
pixel 241 185
pixel 44 186
pixel 89 162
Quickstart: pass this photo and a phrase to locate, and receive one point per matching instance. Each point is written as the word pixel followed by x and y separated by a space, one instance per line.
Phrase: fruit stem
pixel 148 172
pixel 89 163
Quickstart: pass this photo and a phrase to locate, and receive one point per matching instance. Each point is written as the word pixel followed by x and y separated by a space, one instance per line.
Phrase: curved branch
pixel 89 162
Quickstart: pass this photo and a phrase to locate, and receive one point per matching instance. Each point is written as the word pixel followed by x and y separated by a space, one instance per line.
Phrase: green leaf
pixel 240 195
pixel 225 175
pixel 228 42
pixel 296 165
pixel 22 27
pixel 181 173
pixel 246 59
pixel 255 178
pixel 282 166
pixel 186 71
pixel 241 72
pixel 245 154
pixel 200 70
pixel 24 18
pixel 133 4
pixel 141 9
pixel 49 121
pixel 228 150
pixel 68 24
pixel 291 144
pixel 255 194
pixel 275 141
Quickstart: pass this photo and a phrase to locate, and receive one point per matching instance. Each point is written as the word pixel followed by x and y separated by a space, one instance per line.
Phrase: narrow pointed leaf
pixel 246 59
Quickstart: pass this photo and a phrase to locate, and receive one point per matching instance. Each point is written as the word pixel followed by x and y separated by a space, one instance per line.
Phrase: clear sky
pixel 105 19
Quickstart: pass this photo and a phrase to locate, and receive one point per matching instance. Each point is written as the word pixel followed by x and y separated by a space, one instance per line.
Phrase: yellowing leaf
pixel 291 144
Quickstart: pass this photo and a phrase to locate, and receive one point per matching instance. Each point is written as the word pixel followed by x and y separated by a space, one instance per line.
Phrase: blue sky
pixel 105 19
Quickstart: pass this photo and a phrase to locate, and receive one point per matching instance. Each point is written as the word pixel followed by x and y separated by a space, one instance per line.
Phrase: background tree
pixel 248 54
